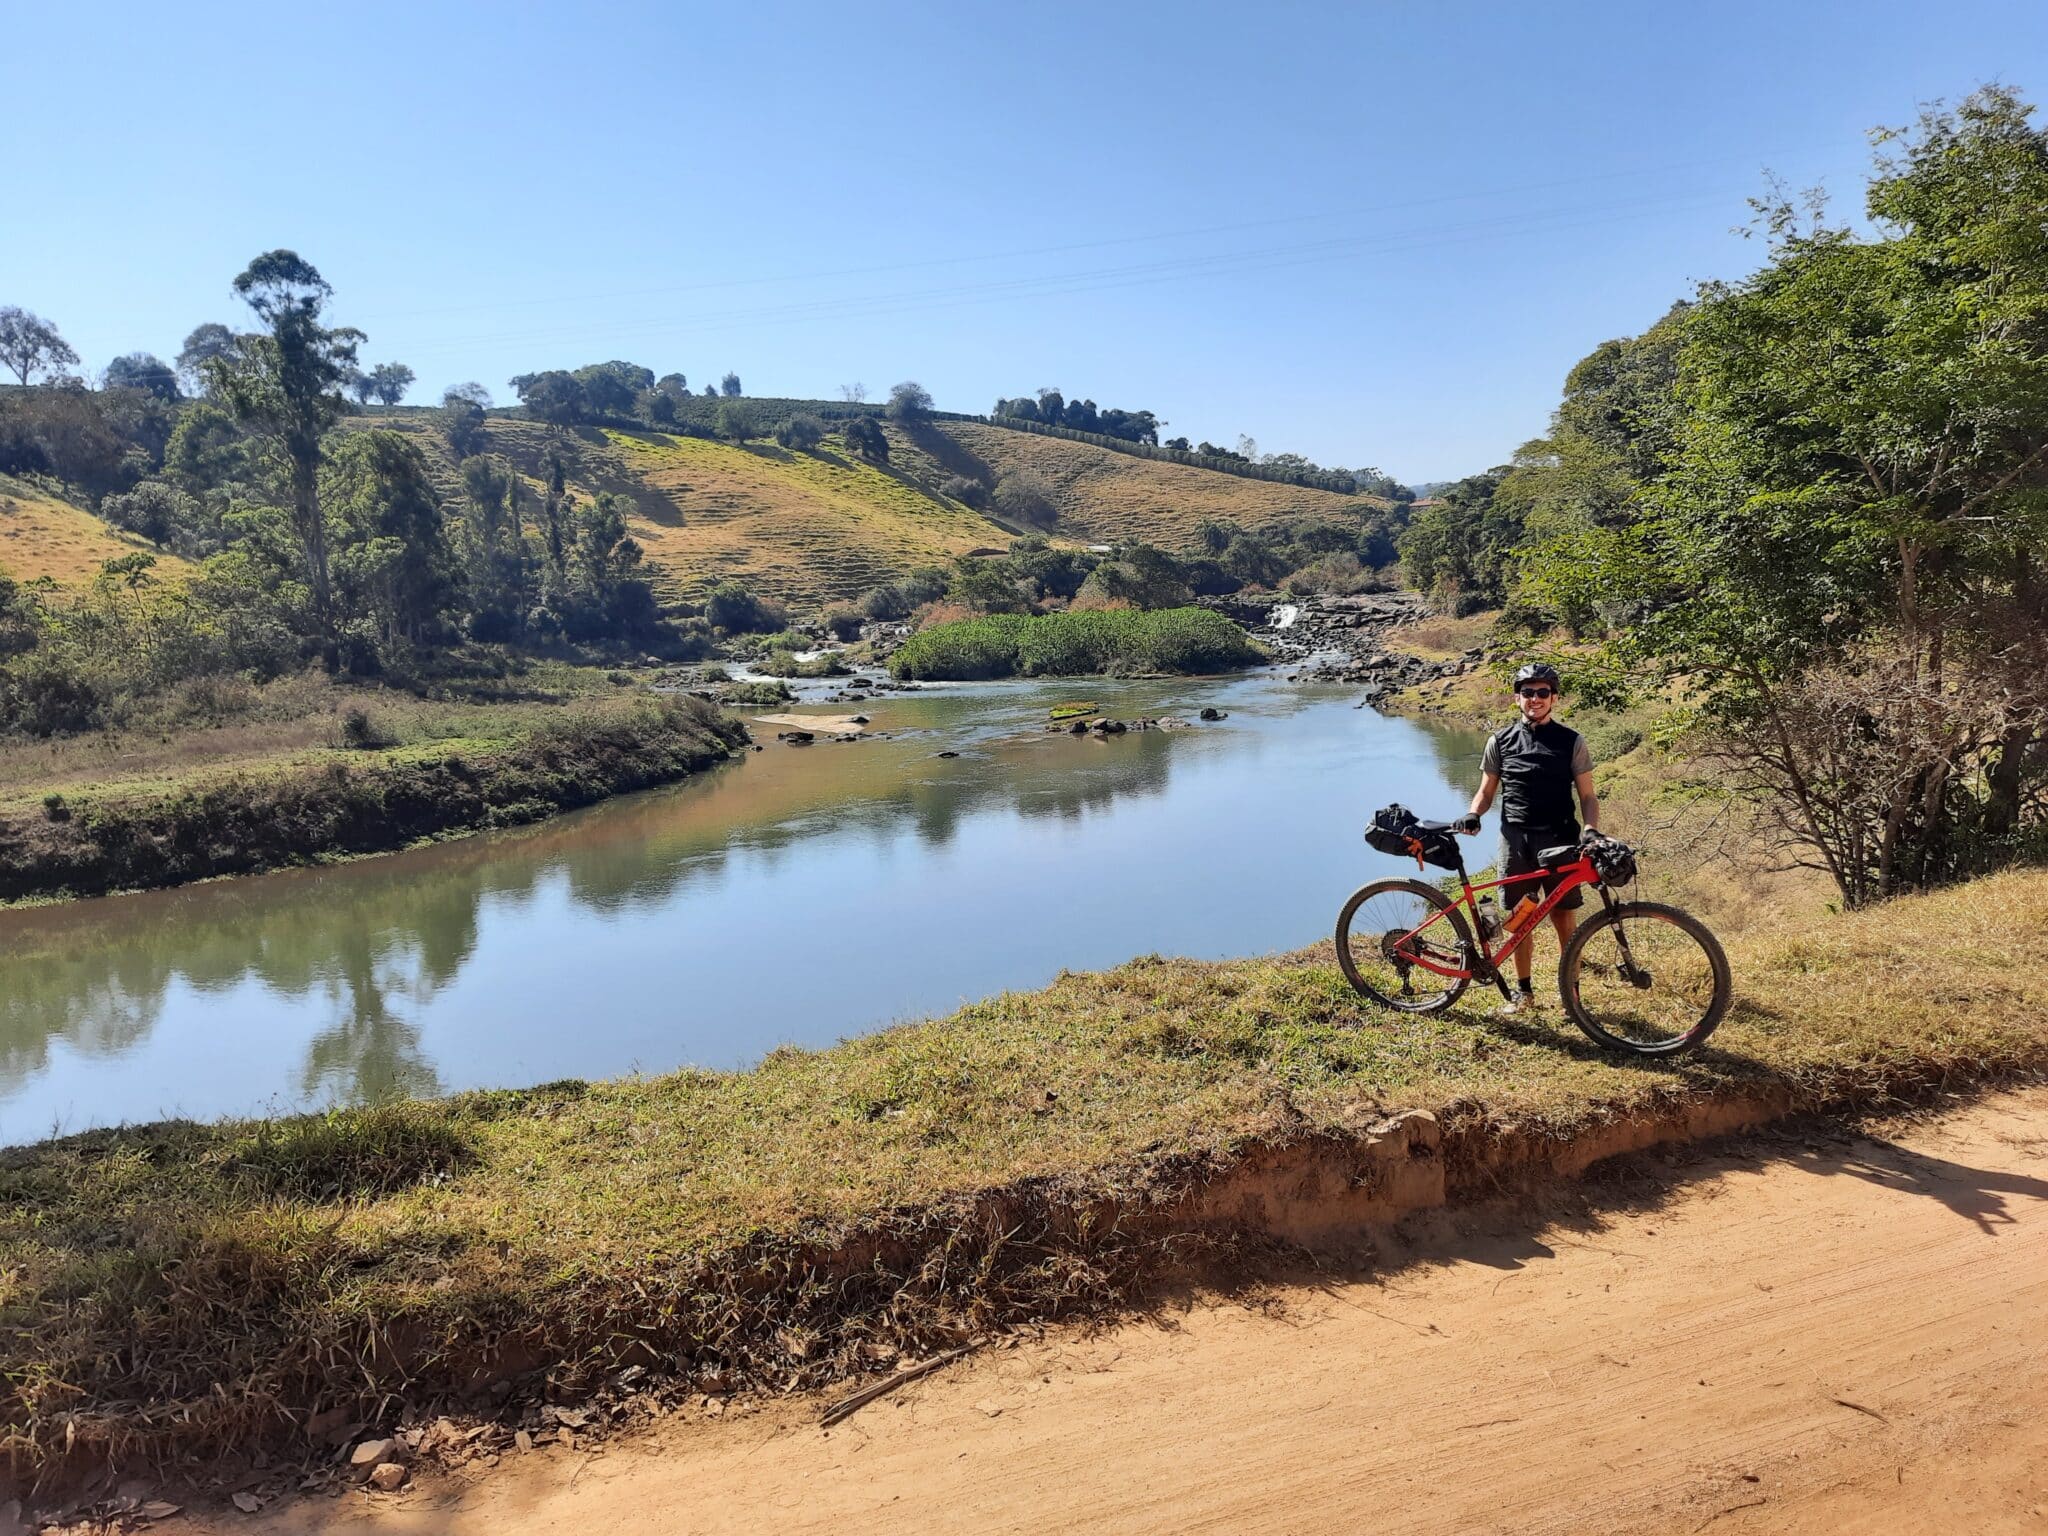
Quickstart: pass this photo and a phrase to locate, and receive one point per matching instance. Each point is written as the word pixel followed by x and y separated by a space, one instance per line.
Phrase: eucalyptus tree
pixel 30 344
pixel 283 383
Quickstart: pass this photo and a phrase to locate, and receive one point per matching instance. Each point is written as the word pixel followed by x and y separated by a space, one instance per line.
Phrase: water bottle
pixel 1489 917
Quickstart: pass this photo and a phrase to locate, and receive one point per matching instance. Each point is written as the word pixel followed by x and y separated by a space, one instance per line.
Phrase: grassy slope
pixel 807 527
pixel 222 1274
pixel 817 528
pixel 1108 497
pixel 41 535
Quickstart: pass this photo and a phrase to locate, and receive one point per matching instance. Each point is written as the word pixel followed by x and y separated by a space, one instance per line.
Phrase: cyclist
pixel 1535 765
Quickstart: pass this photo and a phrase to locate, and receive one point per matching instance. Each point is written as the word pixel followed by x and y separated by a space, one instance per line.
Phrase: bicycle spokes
pixel 1645 980
pixel 1401 952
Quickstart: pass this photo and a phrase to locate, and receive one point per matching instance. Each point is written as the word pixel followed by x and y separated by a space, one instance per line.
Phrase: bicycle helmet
pixel 1539 672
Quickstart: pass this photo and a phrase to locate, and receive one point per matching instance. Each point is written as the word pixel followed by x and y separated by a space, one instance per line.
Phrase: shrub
pixel 866 439
pixel 772 691
pixel 1025 496
pixel 801 432
pixel 969 493
pixel 843 623
pixel 730 607
pixel 362 732
pixel 1178 640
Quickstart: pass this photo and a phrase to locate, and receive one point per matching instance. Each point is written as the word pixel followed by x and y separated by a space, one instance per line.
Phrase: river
pixel 800 896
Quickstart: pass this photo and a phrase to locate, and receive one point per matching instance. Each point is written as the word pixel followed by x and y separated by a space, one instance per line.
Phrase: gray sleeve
pixel 1582 757
pixel 1489 760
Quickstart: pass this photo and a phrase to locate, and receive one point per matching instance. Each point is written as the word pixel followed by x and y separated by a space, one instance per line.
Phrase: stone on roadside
pixel 371 1452
pixel 388 1477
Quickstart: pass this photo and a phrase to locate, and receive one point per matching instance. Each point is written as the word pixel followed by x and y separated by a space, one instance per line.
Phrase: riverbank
pixel 367 775
pixel 209 1292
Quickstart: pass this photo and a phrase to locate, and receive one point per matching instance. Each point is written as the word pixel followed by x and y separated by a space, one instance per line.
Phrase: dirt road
pixel 1793 1334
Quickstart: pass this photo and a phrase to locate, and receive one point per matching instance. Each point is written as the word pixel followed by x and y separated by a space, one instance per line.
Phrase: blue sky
pixel 1374 233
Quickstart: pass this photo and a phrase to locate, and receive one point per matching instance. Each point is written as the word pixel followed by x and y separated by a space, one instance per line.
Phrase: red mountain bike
pixel 1638 976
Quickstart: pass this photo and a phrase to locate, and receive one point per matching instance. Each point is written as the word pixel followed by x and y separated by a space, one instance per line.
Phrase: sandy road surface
pixel 1792 1334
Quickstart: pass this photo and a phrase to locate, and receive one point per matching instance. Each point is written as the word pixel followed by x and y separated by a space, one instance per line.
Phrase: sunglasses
pixel 1535 693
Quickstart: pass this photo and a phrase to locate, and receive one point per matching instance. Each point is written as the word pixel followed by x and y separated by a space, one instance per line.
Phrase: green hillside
pixel 820 526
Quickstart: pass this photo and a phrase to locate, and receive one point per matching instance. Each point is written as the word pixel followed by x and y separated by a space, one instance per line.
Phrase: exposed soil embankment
pixel 246 823
pixel 1802 1334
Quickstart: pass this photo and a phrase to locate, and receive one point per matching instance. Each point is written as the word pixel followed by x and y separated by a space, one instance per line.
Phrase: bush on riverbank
pixel 245 823
pixel 1117 641
pixel 181 1290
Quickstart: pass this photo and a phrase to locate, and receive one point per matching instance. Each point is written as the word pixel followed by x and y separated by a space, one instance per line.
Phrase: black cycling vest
pixel 1536 774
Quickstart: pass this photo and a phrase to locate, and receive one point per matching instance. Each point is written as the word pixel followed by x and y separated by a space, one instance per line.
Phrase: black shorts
pixel 1518 849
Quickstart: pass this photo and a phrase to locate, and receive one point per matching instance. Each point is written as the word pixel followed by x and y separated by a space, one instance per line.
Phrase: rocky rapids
pixel 1342 639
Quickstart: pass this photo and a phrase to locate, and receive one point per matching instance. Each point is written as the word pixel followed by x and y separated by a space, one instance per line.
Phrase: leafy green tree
pixel 394 572
pixel 30 344
pixel 282 385
pixel 613 388
pixel 204 344
pixel 735 422
pixel 143 371
pixel 802 432
pixel 910 402
pixel 730 384
pixel 208 451
pixel 1844 559
pixel 866 439
pixel 556 396
pixel 390 381
pixel 462 418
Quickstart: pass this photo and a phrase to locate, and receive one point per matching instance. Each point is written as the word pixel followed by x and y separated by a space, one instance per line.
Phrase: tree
pixel 866 439
pixel 802 432
pixel 1178 444
pixel 390 381
pixel 910 402
pixel 1842 550
pixel 202 346
pixel 462 418
pixel 282 385
pixel 358 383
pixel 556 396
pixel 854 394
pixel 966 491
pixel 1025 496
pixel 735 421
pixel 394 572
pixel 30 344
pixel 730 384
pixel 674 385
pixel 143 371
pixel 611 389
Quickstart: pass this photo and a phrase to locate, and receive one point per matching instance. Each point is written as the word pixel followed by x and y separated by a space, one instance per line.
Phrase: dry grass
pixel 1107 497
pixel 806 528
pixel 290 725
pixel 182 1288
pixel 41 535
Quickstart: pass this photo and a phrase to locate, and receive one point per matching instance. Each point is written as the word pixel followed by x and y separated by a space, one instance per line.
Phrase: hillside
pixel 1107 497
pixel 43 536
pixel 817 527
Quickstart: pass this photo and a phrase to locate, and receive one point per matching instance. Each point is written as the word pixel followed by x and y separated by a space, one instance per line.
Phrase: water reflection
pixel 804 894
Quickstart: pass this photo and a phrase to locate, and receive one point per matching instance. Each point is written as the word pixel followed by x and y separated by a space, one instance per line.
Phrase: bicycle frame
pixel 1578 873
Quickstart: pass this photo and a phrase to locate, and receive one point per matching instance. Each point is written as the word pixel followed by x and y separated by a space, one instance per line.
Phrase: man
pixel 1535 765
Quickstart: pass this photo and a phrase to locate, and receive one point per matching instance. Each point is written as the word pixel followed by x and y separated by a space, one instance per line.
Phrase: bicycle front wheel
pixel 1387 932
pixel 1645 978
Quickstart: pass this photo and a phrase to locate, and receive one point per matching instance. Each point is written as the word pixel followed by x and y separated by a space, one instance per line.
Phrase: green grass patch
pixel 177 1289
pixel 1073 644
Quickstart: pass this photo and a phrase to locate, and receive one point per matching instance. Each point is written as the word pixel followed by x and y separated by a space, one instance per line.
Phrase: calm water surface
pixel 802 895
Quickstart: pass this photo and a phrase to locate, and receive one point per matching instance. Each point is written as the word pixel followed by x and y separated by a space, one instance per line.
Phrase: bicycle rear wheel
pixel 1379 947
pixel 1645 978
